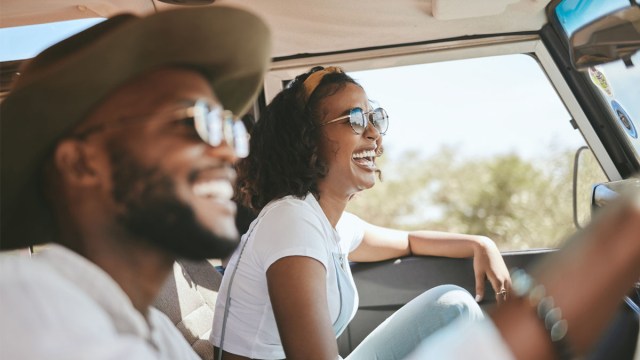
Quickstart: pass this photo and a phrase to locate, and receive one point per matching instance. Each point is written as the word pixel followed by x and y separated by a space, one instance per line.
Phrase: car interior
pixel 365 36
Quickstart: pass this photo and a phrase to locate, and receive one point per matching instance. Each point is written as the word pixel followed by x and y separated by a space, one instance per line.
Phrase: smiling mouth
pixel 220 189
pixel 365 159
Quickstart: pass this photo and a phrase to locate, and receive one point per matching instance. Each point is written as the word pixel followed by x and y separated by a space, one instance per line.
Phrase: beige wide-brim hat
pixel 60 87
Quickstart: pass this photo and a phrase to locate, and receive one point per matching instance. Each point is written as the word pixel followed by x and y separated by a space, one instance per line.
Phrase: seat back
pixel 188 299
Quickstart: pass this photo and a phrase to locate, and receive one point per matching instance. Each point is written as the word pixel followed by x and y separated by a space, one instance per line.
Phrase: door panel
pixel 386 286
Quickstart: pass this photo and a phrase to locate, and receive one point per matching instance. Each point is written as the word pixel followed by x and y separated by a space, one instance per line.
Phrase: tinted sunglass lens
pixel 235 134
pixel 380 120
pixel 215 131
pixel 214 125
pixel 208 123
pixel 357 120
pixel 200 115
pixel 240 139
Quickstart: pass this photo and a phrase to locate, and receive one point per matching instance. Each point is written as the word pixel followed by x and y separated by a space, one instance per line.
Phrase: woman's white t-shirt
pixel 285 227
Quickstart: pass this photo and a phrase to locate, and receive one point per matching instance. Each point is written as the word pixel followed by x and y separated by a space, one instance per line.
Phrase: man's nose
pixel 223 152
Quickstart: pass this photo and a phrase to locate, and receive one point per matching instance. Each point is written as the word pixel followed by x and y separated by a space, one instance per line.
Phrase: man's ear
pixel 76 162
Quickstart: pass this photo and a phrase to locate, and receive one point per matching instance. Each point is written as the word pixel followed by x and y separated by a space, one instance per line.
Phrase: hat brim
pixel 229 46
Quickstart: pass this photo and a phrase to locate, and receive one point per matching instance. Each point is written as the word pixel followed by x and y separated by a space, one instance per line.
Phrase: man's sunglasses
pixel 212 123
pixel 359 120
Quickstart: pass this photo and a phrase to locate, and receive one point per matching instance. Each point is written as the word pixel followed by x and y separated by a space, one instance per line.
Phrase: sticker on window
pixel 625 119
pixel 598 78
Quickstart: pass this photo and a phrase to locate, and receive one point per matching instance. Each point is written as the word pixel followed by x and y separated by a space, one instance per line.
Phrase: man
pixel 115 146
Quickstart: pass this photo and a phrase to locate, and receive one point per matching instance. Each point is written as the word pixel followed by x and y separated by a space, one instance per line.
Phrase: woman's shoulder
pixel 289 226
pixel 292 216
pixel 290 207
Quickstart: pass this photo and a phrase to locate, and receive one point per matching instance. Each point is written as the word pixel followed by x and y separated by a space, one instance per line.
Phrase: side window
pixel 481 146
pixel 23 42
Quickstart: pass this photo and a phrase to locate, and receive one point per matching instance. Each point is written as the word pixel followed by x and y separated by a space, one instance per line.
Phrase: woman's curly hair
pixel 284 144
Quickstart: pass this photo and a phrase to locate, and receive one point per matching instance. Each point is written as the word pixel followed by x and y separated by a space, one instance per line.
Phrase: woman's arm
pixel 297 289
pixel 379 243
pixel 586 281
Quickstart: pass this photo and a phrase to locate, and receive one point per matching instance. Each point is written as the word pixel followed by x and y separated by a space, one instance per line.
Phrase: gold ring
pixel 503 292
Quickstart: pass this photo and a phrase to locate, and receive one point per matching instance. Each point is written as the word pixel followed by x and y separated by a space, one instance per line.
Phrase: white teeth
pixel 221 189
pixel 364 154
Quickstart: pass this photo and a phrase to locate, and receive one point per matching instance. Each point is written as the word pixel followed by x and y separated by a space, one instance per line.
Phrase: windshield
pixel 618 88
pixel 615 83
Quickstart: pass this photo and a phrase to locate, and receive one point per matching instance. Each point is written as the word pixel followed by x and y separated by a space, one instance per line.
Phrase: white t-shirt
pixel 285 227
pixel 59 305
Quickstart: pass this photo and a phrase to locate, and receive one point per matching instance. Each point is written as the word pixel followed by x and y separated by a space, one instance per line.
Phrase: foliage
pixel 519 203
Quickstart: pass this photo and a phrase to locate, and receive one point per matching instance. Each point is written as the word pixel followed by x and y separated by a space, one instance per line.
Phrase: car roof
pixel 318 27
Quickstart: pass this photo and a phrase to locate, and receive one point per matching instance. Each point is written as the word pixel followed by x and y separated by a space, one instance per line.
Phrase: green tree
pixel 519 203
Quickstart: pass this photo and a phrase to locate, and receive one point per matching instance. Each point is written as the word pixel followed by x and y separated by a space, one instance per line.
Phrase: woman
pixel 292 292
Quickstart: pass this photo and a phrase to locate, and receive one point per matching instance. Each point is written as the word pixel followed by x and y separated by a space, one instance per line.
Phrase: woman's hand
pixel 488 263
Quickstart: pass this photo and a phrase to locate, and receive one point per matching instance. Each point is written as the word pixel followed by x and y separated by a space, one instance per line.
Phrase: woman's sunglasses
pixel 359 120
pixel 212 123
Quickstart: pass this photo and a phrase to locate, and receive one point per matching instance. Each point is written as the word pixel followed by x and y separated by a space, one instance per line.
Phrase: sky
pixel 24 42
pixel 482 107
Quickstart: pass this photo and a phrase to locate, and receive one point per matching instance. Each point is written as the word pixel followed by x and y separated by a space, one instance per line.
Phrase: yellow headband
pixel 313 80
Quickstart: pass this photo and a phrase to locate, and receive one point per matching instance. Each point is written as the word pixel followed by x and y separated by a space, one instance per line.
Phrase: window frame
pixel 530 44
pixel 601 118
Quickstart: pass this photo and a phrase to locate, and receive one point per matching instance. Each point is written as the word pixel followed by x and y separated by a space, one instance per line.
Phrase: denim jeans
pixel 401 332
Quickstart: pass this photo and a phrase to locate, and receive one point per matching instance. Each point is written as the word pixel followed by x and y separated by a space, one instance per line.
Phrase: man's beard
pixel 153 212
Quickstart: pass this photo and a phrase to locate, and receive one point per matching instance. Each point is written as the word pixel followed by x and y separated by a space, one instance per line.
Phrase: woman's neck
pixel 333 206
